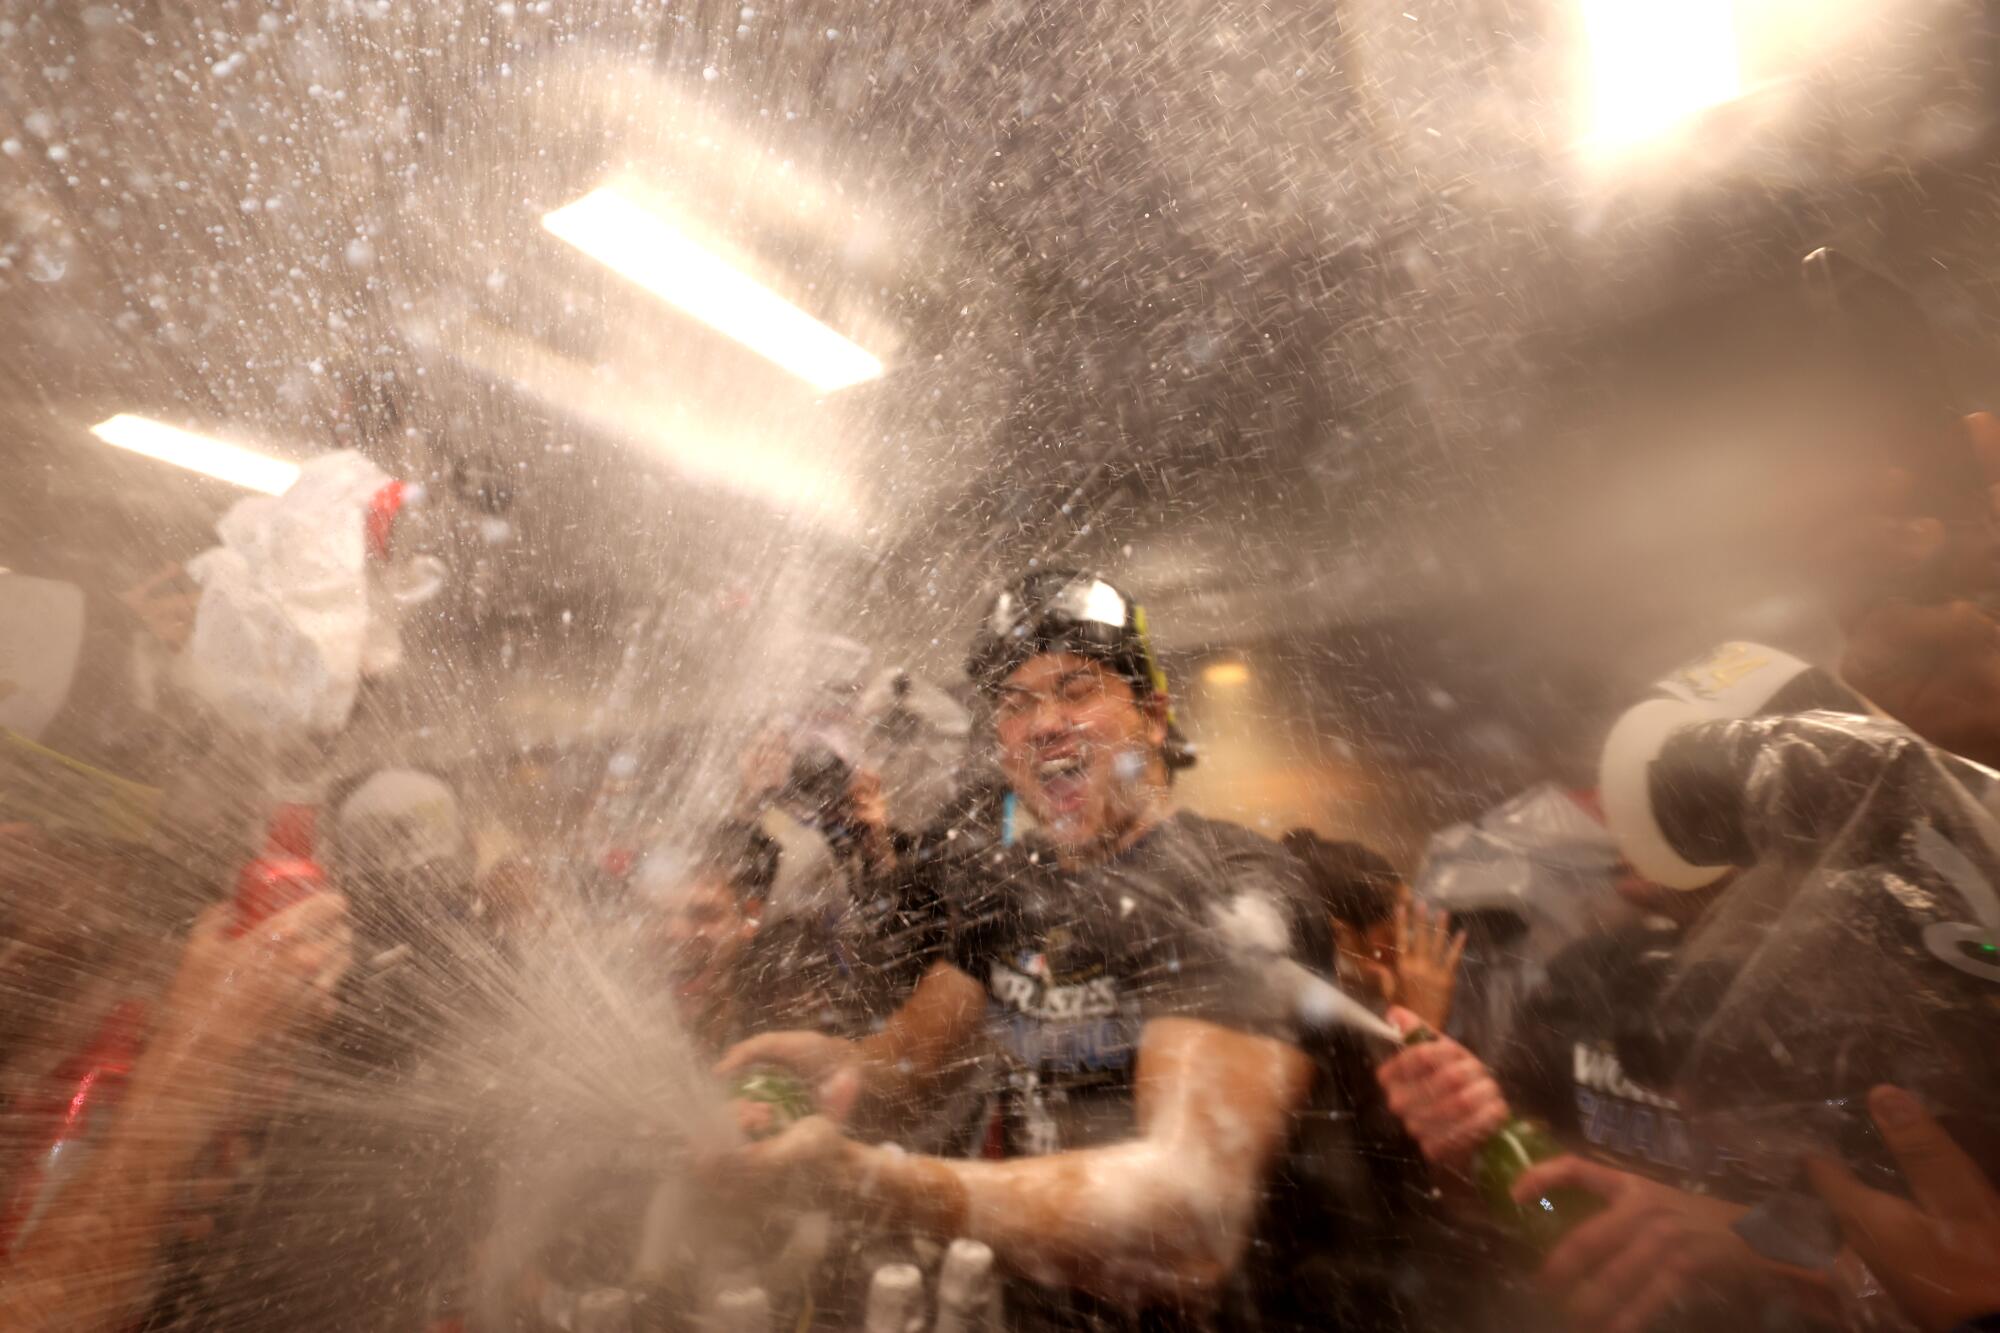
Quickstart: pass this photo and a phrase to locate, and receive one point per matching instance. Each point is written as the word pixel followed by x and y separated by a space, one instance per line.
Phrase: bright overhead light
pixel 781 464
pixel 639 244
pixel 1654 63
pixel 1226 675
pixel 197 453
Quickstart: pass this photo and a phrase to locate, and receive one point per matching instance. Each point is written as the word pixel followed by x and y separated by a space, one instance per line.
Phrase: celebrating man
pixel 1120 956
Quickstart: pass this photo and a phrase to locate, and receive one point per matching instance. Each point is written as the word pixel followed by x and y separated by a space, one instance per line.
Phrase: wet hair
pixel 1355 884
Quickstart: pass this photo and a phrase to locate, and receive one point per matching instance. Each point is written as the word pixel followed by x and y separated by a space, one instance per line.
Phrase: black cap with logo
pixel 1068 611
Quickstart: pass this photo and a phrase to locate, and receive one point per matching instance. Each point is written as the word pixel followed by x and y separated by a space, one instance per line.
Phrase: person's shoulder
pixel 1613 949
pixel 1221 836
pixel 1222 861
pixel 1608 968
pixel 1239 851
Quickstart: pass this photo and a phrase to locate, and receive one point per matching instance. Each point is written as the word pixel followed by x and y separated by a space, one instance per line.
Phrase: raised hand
pixel 1427 955
pixel 1650 1248
pixel 1939 1254
pixel 235 994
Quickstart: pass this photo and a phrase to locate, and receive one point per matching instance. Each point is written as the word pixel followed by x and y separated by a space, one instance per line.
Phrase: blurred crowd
pixel 1707 1044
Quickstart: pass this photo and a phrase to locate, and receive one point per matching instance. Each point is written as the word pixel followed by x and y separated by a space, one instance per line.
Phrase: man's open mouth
pixel 1064 780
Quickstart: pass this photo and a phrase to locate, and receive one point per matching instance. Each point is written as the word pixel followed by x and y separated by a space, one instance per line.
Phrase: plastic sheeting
pixel 288 623
pixel 1861 951
pixel 1526 878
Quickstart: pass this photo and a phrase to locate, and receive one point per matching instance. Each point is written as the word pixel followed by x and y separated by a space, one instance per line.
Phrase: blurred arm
pixel 1163 1216
pixel 919 1044
pixel 926 1037
pixel 89 1265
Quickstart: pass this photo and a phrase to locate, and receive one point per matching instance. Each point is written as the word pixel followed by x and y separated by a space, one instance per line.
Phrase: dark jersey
pixel 1076 964
pixel 1564 1062
pixel 1183 925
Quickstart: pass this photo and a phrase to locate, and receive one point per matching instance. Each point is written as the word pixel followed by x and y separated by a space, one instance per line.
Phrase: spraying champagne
pixel 1505 1154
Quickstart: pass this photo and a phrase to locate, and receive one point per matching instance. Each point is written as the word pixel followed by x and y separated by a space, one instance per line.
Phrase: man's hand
pixel 1914 591
pixel 833 1066
pixel 1648 1249
pixel 1934 668
pixel 234 994
pixel 89 1263
pixel 1427 955
pixel 1446 1099
pixel 1940 1255
pixel 924 1039
pixel 808 1162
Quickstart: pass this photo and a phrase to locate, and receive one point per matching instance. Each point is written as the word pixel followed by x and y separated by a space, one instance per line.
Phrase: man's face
pixel 1078 746
pixel 702 931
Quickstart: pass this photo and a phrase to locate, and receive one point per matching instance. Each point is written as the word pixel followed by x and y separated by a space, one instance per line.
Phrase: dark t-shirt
pixel 1593 1053
pixel 1565 1061
pixel 1185 925
pixel 1076 964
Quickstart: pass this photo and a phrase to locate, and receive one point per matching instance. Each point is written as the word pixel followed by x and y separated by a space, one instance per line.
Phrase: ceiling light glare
pixel 1226 675
pixel 1654 65
pixel 647 249
pixel 197 453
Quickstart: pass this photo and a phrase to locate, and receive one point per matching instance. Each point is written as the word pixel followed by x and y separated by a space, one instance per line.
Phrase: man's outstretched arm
pixel 922 1042
pixel 1164 1216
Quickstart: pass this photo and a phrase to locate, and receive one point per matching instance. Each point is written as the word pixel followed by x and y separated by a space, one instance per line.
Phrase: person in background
pixel 379 1103
pixel 683 973
pixel 425 935
pixel 216 1048
pixel 1385 1255
pixel 825 814
pixel 1916 596
pixel 1391 948
pixel 699 920
pixel 831 907
pixel 1665 1239
pixel 511 884
pixel 1154 1074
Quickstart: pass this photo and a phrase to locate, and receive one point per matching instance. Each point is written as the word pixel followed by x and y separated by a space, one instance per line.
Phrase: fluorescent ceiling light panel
pixel 785 465
pixel 1654 63
pixel 640 245
pixel 197 453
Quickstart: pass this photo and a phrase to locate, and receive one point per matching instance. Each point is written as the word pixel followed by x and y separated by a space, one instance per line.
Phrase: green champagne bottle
pixel 1507 1152
pixel 788 1096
